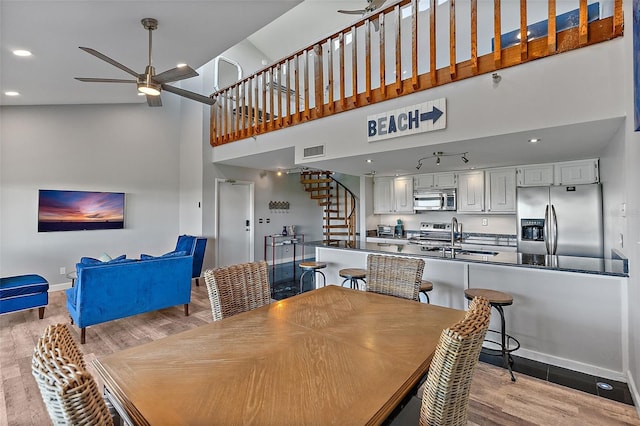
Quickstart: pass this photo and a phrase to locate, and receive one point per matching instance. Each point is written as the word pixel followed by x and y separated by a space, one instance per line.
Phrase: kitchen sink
pixel 476 252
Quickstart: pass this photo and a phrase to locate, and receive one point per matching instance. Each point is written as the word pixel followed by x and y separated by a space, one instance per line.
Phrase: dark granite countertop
pixel 586 265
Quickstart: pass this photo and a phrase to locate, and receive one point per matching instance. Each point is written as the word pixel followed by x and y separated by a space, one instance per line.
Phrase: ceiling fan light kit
pixel 149 83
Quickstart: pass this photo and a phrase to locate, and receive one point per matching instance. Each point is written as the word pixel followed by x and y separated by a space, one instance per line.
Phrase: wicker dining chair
pixel 69 392
pixel 394 275
pixel 237 288
pixel 445 399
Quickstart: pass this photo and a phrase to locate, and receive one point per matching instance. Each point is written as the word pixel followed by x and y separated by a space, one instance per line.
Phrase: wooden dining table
pixel 329 356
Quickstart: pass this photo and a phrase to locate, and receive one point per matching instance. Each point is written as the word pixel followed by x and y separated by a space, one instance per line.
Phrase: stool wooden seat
pixel 353 275
pixel 508 344
pixel 425 287
pixel 494 297
pixel 313 267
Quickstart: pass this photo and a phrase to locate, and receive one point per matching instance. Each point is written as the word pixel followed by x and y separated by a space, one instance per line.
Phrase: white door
pixel 235 227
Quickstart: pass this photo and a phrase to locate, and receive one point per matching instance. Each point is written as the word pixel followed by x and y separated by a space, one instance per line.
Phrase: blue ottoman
pixel 23 292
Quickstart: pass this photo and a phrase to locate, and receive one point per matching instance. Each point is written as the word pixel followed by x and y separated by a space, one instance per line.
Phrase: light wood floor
pixel 495 400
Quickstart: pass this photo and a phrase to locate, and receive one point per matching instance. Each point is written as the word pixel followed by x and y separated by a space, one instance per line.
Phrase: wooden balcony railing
pixel 408 47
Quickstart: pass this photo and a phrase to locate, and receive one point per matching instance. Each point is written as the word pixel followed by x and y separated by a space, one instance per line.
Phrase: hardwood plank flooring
pixel 495 400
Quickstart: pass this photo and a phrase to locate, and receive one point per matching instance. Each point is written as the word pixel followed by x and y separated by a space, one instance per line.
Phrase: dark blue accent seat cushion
pixel 22 285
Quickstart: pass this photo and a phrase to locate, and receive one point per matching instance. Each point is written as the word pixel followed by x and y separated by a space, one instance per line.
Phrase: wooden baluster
pixel 288 73
pixel 213 123
pixel 551 28
pixel 256 116
pixel 225 113
pixel 398 37
pixel 474 36
pixel 343 100
pixel 330 74
pixel 278 71
pixel 452 39
pixel 250 106
pixel 238 112
pixel 306 84
pixel 523 31
pixel 618 18
pixel 318 70
pixel 354 66
pixel 383 72
pixel 497 34
pixel 367 59
pixel 414 45
pixel 432 43
pixel 583 28
pixel 263 117
pixel 296 66
pixel 243 110
pixel 272 114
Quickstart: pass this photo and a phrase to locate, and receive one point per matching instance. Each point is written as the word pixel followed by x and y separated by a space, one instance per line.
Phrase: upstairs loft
pixel 395 52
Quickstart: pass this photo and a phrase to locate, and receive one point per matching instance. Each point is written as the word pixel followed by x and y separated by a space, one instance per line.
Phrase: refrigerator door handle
pixel 547 229
pixel 555 229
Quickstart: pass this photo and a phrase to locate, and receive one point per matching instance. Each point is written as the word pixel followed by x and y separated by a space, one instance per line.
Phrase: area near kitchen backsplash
pixel 495 224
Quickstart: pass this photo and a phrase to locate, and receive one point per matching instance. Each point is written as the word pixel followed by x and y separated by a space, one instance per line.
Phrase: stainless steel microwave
pixel 434 199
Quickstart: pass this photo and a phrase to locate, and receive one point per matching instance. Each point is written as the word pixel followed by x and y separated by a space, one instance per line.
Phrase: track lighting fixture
pixel 438 155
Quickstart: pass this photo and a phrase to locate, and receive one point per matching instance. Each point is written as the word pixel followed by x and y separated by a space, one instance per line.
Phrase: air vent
pixel 314 151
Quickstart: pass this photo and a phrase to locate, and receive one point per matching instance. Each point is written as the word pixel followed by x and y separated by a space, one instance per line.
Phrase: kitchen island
pixel 567 311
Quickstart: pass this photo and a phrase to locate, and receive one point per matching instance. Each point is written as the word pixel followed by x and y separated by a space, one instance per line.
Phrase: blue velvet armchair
pixel 195 246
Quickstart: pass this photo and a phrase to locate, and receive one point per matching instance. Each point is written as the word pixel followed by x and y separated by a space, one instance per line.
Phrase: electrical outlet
pixel 63 270
pixel 485 221
pixel 268 220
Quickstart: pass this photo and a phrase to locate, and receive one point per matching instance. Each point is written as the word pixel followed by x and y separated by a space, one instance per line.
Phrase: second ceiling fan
pixel 150 83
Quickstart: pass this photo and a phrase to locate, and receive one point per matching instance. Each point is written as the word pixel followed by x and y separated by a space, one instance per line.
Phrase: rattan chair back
pixel 69 392
pixel 237 288
pixel 445 399
pixel 394 275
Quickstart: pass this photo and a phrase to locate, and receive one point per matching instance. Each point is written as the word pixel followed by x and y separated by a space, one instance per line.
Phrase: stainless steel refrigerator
pixel 560 220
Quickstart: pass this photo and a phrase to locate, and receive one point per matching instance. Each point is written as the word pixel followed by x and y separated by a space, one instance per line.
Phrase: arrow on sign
pixel 434 115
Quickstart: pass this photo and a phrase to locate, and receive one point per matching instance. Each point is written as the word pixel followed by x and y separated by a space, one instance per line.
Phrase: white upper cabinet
pixel 383 195
pixel 445 180
pixel 538 175
pixel 435 180
pixel 576 172
pixel 393 195
pixel 403 194
pixel 501 190
pixel 471 192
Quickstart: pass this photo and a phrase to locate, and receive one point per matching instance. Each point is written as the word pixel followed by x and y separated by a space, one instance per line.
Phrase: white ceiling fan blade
pixel 104 80
pixel 154 101
pixel 353 12
pixel 109 60
pixel 175 74
pixel 189 95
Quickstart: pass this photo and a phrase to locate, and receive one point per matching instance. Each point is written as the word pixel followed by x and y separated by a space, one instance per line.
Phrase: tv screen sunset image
pixel 79 210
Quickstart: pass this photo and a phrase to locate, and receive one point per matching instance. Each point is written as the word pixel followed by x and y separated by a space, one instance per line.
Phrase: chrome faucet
pixel 455 229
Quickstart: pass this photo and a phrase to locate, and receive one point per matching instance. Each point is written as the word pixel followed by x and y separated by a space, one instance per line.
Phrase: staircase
pixel 339 219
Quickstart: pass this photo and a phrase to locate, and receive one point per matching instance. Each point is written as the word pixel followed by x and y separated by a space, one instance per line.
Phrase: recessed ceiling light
pixel 534 140
pixel 20 52
pixel 181 65
pixel 369 160
pixel 10 93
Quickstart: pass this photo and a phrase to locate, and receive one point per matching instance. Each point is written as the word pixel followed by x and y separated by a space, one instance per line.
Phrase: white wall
pixel 124 148
pixel 632 177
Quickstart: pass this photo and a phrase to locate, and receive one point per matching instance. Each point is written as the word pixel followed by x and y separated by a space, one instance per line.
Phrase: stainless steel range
pixel 434 235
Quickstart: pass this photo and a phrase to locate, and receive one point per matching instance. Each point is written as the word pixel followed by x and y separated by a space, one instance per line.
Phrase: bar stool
pixel 508 344
pixel 312 267
pixel 353 275
pixel 425 287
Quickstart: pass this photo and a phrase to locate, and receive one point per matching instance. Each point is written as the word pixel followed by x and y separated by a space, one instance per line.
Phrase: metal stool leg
pixel 506 356
pixel 427 296
pixel 302 279
pixel 324 279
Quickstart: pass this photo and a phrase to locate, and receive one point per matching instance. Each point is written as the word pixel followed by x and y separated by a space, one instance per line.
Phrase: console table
pixel 271 242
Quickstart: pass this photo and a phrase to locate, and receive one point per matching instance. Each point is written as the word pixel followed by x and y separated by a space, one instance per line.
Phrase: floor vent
pixel 314 151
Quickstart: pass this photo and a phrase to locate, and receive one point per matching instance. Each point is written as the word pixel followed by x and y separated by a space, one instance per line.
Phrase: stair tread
pixel 310 181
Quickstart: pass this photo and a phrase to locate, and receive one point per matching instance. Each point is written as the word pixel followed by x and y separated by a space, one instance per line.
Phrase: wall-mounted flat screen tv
pixel 79 210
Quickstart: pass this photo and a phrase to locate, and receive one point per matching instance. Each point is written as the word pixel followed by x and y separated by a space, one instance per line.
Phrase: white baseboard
pixel 633 389
pixel 59 287
pixel 572 365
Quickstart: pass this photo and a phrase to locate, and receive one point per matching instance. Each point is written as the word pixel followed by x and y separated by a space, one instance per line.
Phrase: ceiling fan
pixel 371 6
pixel 150 83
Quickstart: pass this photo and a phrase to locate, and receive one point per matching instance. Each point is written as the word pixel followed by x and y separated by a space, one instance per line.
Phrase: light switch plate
pixel 485 221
